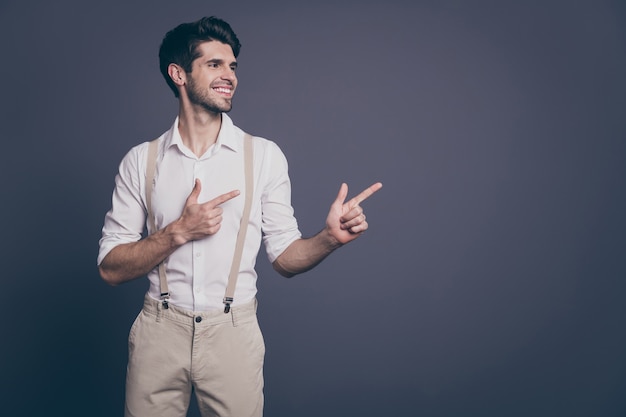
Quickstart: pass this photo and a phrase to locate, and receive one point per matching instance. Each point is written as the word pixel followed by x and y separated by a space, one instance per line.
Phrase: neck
pixel 198 128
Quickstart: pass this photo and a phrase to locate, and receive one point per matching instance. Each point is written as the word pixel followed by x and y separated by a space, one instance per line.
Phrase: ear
pixel 177 74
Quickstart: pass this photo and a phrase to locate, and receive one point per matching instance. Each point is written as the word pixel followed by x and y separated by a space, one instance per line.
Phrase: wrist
pixel 329 239
pixel 175 235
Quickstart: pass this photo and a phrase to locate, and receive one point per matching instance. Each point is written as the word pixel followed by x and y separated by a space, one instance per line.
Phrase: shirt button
pixel 197 254
pixel 198 319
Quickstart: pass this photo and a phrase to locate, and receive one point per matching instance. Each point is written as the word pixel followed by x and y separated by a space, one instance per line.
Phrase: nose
pixel 229 74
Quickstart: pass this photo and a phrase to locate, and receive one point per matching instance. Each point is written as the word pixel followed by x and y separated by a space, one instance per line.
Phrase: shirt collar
pixel 228 134
pixel 227 137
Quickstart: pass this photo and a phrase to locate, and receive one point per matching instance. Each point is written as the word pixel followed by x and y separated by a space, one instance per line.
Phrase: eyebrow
pixel 220 61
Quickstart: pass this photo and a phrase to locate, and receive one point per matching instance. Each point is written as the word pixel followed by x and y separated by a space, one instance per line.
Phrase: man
pixel 190 334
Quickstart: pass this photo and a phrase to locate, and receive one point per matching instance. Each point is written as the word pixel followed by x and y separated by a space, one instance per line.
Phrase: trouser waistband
pixel 194 318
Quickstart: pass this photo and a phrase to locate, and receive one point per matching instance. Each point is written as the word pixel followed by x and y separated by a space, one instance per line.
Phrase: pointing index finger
pixel 221 199
pixel 365 194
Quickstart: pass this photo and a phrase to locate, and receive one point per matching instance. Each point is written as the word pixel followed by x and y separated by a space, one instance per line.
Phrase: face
pixel 212 81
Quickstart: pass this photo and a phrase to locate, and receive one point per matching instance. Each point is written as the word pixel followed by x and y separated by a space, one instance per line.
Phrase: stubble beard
pixel 201 98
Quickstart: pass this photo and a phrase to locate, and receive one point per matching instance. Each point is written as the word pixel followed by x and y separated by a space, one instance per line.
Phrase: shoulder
pixel 135 156
pixel 135 159
pixel 139 153
pixel 269 153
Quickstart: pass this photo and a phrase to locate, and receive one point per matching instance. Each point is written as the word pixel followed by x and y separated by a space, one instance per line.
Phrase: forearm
pixel 304 254
pixel 129 261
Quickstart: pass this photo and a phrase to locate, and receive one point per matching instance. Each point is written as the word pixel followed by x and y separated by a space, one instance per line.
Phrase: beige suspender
pixel 248 155
pixel 241 236
pixel 153 150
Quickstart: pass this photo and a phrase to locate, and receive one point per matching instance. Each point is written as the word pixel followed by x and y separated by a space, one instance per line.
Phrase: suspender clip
pixel 165 297
pixel 227 302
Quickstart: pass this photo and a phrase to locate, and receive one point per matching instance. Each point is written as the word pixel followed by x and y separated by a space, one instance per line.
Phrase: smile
pixel 223 90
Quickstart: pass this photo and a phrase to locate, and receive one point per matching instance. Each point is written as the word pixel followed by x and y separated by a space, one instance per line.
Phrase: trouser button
pixel 198 319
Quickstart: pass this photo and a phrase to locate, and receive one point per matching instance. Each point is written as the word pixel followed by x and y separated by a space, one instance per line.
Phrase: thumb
pixel 195 192
pixel 343 193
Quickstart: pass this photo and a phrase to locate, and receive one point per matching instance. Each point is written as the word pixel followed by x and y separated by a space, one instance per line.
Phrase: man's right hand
pixel 201 220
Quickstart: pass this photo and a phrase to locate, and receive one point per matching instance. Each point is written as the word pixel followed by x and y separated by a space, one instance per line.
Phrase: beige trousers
pixel 173 351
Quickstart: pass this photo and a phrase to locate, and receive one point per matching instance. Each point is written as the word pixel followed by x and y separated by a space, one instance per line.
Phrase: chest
pixel 176 175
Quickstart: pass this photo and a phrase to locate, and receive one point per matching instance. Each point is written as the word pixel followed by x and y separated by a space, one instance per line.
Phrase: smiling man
pixel 209 194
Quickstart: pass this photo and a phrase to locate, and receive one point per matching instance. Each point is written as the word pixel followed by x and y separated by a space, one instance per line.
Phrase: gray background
pixel 492 279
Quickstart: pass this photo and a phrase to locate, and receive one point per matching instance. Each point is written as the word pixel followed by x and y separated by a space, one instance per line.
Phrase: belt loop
pixel 234 312
pixel 158 315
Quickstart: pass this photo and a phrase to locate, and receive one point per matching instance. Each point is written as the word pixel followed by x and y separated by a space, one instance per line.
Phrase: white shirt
pixel 197 272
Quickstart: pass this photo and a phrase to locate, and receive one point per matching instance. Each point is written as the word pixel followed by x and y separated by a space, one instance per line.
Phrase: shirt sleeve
pixel 280 227
pixel 125 221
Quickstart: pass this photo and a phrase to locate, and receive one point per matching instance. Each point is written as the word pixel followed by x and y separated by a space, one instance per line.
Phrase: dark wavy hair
pixel 180 45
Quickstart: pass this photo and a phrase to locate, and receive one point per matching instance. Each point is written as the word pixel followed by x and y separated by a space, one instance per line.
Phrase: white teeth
pixel 222 90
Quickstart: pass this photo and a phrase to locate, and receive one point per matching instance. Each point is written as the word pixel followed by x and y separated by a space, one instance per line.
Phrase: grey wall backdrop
pixel 492 280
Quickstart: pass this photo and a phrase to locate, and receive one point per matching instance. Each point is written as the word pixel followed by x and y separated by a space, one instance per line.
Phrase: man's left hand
pixel 346 220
